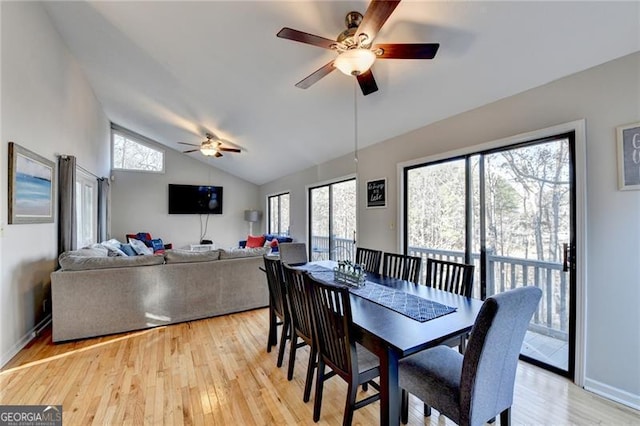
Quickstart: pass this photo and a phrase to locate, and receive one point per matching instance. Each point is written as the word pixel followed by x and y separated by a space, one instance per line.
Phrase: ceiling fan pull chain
pixel 355 121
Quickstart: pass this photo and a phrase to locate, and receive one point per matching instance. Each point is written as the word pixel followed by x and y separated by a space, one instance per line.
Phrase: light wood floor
pixel 217 371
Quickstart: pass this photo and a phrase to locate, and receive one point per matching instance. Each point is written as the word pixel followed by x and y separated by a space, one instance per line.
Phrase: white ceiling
pixel 174 70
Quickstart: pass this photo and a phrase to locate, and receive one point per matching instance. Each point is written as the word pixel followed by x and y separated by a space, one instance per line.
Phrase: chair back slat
pixel 402 267
pixel 450 276
pixel 277 290
pixel 299 303
pixel 412 269
pixel 393 265
pixel 332 321
pixel 371 259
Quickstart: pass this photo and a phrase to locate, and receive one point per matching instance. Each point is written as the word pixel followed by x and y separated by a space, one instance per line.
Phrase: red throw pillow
pixel 253 242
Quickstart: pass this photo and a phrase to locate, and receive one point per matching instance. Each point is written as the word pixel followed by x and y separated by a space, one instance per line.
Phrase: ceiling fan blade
pixel 315 76
pixel 374 18
pixel 407 50
pixel 185 143
pixel 306 38
pixel 367 83
pixel 217 154
pixel 229 149
pixel 191 150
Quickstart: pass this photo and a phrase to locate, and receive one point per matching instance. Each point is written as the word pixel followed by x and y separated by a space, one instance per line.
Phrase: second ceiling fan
pixel 212 147
pixel 356 51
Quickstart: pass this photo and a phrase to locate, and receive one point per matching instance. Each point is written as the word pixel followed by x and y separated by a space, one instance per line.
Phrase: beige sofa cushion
pixel 188 256
pixel 74 262
pixel 243 252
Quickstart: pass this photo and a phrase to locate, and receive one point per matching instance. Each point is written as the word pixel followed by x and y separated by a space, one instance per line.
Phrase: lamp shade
pixel 252 215
pixel 355 61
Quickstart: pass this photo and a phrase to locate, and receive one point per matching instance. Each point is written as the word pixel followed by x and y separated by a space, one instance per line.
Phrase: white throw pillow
pixel 113 245
pixel 139 247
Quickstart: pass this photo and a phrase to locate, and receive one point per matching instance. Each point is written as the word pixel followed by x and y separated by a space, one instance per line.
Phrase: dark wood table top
pixel 403 334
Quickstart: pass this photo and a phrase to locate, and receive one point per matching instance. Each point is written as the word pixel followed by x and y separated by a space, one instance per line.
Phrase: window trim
pixel 268 209
pixel 142 140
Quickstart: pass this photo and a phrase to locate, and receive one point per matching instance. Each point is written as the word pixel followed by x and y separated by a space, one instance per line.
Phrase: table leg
pixel 389 389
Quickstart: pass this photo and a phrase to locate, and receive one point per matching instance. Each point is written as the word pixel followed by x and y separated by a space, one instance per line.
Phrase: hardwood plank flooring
pixel 217 372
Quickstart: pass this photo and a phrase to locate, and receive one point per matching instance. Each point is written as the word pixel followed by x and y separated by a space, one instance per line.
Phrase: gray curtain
pixel 104 194
pixel 66 203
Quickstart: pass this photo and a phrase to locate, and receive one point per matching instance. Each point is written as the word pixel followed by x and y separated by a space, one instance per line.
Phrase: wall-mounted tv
pixel 195 199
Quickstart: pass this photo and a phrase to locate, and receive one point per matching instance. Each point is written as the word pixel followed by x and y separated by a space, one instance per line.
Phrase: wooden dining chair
pixel 474 388
pixel 302 326
pixel 371 259
pixel 455 278
pixel 412 269
pixel 450 276
pixel 337 349
pixel 402 267
pixel 293 253
pixel 278 308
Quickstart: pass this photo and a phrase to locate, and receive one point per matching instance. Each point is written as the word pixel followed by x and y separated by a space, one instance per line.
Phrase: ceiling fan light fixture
pixel 355 61
pixel 209 149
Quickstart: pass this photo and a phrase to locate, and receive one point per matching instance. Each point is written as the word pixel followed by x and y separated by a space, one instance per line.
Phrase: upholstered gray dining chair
pixel 474 388
pixel 293 253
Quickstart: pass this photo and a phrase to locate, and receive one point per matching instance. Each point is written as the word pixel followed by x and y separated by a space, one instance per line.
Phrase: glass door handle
pixel 565 257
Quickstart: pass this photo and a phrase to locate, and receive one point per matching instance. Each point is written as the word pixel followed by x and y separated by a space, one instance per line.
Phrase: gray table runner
pixel 410 305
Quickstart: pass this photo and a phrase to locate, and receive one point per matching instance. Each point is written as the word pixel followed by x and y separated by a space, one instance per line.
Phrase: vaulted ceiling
pixel 174 70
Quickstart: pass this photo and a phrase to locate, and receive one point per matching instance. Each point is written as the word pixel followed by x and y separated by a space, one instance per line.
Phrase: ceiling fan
pixel 212 147
pixel 356 53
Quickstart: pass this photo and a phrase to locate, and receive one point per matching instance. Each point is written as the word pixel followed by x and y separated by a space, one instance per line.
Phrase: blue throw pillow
pixel 157 244
pixel 128 249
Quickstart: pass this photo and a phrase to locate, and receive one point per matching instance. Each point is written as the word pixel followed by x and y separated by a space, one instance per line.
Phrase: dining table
pixel 392 335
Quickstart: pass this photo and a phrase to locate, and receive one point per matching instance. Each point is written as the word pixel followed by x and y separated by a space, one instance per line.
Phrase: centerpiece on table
pixel 349 273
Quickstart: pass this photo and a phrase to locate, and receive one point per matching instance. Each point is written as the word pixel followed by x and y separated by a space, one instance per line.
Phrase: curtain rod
pixel 80 167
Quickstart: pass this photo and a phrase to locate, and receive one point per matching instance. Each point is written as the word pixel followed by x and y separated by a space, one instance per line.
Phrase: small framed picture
pixel 31 186
pixel 629 156
pixel 377 193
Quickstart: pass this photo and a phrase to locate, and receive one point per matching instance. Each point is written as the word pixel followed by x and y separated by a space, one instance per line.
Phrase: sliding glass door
pixel 511 212
pixel 332 221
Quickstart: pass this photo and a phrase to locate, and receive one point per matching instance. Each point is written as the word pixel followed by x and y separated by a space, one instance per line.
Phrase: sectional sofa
pixel 94 294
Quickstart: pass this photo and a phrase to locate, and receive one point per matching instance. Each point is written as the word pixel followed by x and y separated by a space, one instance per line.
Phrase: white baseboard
pixel 614 394
pixel 24 341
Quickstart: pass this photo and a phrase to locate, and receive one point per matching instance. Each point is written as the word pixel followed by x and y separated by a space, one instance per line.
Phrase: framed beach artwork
pixel 629 156
pixel 31 186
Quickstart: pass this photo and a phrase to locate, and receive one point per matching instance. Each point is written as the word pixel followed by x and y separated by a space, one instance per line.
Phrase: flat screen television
pixel 195 199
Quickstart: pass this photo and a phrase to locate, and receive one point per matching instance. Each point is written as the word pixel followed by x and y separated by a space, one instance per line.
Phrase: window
pixel 134 152
pixel 332 221
pixel 510 211
pixel 279 214
pixel 86 209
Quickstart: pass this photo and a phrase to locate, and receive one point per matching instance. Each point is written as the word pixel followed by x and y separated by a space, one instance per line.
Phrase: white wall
pixel 606 96
pixel 47 107
pixel 140 204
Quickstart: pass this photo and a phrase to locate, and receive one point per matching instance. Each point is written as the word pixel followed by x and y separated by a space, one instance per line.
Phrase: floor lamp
pixel 252 216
